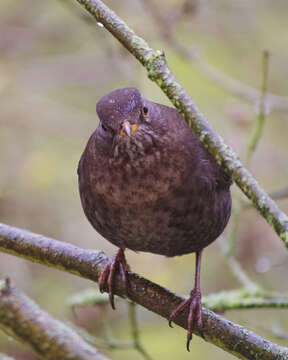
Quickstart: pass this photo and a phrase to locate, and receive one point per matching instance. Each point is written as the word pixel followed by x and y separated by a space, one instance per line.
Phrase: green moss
pixel 88 297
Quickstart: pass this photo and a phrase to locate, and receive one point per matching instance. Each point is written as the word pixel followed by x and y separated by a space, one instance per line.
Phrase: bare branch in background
pixel 245 298
pixel 279 194
pixel 262 112
pixel 166 23
pixel 23 319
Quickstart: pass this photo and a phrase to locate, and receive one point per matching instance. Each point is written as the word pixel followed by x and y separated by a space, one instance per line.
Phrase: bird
pixel 148 184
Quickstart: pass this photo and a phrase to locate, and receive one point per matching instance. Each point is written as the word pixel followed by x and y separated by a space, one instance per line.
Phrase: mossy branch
pixel 244 299
pixel 158 71
pixel 23 319
pixel 88 264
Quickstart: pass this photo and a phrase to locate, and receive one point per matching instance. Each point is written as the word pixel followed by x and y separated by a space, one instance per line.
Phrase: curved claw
pixel 106 278
pixel 103 277
pixel 189 338
pixel 178 309
pixel 194 316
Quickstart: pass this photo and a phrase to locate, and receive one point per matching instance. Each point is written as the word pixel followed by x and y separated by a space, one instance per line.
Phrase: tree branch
pixel 135 333
pixel 244 299
pixel 158 71
pixel 246 92
pixel 88 264
pixel 48 337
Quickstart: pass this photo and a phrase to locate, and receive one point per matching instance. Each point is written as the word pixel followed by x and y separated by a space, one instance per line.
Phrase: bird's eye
pixel 145 110
pixel 104 127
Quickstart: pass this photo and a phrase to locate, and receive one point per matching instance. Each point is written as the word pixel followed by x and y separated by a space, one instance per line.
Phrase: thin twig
pixel 236 268
pixel 107 343
pixel 262 111
pixel 237 88
pixel 235 222
pixel 279 194
pixel 244 299
pixel 135 334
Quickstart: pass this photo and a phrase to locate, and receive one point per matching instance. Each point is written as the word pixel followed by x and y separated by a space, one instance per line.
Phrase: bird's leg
pixel 194 304
pixel 107 276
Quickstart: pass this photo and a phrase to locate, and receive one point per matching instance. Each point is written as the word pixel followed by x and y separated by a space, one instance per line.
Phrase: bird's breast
pixel 135 178
pixel 152 199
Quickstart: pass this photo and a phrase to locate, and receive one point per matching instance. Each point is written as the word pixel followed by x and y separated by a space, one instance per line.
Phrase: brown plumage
pixel 147 183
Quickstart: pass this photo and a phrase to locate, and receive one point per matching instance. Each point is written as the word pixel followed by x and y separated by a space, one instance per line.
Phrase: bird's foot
pixel 107 276
pixel 194 315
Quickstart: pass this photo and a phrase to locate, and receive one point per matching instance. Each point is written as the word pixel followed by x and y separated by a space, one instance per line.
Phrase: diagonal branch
pixel 48 337
pixel 158 71
pixel 230 337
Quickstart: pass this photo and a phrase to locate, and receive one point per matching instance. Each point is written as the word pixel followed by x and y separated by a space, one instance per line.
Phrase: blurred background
pixel 55 64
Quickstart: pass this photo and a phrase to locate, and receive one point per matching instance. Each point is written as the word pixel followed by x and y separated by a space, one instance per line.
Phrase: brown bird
pixel 147 183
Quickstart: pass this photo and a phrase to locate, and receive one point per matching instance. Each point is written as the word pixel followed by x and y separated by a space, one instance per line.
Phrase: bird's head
pixel 126 118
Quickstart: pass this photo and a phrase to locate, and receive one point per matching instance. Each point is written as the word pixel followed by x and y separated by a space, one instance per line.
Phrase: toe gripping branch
pixel 118 264
pixel 107 276
pixel 194 314
pixel 194 305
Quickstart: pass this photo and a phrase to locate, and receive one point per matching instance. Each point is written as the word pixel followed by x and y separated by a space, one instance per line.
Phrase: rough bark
pixel 23 319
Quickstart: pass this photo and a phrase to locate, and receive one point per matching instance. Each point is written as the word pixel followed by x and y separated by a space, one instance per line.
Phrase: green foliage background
pixel 55 64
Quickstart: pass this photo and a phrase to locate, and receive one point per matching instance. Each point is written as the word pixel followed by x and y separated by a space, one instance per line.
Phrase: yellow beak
pixel 128 129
